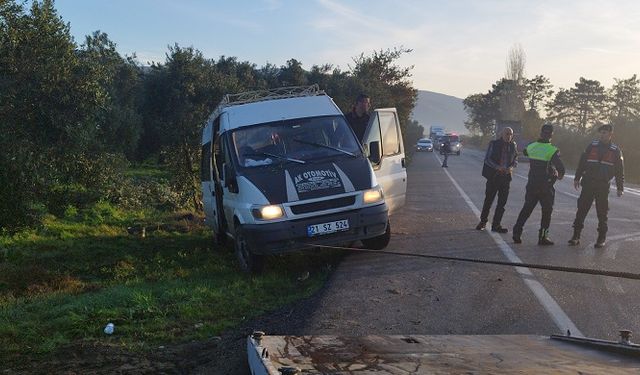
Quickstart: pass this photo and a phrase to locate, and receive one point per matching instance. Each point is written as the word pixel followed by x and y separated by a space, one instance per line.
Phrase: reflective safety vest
pixel 601 163
pixel 608 158
pixel 541 151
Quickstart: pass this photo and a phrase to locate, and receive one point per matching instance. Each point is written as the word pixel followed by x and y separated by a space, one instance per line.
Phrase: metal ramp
pixel 438 354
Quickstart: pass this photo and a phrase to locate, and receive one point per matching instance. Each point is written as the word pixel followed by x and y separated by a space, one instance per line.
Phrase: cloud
pixel 359 26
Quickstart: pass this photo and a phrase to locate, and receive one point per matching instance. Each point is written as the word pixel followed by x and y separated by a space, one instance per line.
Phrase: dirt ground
pixel 225 354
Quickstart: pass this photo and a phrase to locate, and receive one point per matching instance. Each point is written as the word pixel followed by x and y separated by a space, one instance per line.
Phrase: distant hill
pixel 433 108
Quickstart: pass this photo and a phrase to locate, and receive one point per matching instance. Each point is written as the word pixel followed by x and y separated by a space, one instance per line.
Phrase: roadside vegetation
pixel 156 276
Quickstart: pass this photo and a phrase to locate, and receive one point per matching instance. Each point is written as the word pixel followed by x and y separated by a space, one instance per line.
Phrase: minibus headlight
pixel 270 212
pixel 373 195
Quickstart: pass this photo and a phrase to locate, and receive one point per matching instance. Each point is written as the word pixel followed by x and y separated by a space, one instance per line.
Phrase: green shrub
pixel 147 192
pixel 61 196
pixel 102 213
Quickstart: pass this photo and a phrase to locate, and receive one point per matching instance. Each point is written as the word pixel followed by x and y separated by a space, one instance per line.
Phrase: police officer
pixel 545 167
pixel 445 150
pixel 599 163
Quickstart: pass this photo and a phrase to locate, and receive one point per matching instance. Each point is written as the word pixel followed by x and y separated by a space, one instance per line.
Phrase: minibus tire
pixel 379 242
pixel 247 260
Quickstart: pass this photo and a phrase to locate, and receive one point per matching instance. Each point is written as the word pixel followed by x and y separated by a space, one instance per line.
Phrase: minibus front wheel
pixel 249 262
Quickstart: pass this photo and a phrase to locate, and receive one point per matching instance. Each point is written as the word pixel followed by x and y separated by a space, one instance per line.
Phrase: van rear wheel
pixel 248 261
pixel 379 242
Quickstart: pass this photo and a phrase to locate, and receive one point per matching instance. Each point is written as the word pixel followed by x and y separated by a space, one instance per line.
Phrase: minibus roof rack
pixel 271 94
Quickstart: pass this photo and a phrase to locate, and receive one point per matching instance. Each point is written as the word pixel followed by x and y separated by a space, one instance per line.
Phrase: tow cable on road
pixel 587 271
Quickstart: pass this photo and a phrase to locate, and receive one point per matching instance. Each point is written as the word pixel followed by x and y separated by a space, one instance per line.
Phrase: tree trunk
pixel 197 204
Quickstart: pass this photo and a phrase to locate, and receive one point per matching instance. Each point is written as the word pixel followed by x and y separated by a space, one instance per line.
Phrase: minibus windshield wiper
pixel 325 146
pixel 282 157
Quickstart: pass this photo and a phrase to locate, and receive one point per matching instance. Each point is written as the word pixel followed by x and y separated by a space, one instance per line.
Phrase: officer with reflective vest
pixel 545 167
pixel 600 162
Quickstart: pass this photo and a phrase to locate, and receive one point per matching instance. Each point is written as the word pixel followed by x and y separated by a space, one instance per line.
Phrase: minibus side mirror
pixel 374 152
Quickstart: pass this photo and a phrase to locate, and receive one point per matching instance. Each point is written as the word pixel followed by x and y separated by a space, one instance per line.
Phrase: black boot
pixel 543 237
pixel 481 226
pixel 575 239
pixel 601 241
pixel 517 233
pixel 499 229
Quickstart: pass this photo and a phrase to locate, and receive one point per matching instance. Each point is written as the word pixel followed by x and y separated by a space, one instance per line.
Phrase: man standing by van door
pixel 499 162
pixel 358 118
pixel 599 163
pixel 545 167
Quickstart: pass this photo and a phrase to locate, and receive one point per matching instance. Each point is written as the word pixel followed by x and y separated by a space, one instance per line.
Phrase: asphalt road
pixel 385 294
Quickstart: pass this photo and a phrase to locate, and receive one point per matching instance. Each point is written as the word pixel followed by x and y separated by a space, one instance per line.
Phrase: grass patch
pixel 65 281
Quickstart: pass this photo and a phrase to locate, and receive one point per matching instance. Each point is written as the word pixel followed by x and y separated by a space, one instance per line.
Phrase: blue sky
pixel 459 47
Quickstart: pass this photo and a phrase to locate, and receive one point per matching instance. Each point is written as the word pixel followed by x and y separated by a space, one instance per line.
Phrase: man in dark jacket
pixel 499 162
pixel 545 167
pixel 445 150
pixel 599 163
pixel 358 118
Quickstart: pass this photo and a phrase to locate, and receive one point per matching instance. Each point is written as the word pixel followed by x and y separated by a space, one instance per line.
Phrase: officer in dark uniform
pixel 358 118
pixel 600 162
pixel 545 167
pixel 445 150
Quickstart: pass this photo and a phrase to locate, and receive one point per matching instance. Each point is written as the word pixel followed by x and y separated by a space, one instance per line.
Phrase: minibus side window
pixel 389 128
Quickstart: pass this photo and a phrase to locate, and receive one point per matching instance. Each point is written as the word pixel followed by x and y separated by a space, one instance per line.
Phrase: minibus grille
pixel 323 205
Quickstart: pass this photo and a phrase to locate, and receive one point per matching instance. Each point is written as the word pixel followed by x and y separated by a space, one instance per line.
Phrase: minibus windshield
pixel 297 140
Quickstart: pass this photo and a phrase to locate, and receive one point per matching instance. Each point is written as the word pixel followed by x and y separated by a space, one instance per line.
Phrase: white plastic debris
pixel 109 329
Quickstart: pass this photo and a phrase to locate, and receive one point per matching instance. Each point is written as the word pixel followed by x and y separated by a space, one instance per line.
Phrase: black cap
pixel 606 127
pixel 546 128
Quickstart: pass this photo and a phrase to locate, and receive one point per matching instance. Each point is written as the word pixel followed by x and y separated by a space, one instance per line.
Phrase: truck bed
pixel 421 354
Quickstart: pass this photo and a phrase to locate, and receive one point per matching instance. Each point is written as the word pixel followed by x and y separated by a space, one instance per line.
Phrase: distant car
pixel 454 142
pixel 424 144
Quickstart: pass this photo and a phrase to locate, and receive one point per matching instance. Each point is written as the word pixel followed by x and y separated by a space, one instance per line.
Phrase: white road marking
pixel 610 252
pixel 563 192
pixel 560 318
pixel 627 190
pixel 521 176
pixel 623 220
pixel 571 195
pixel 632 191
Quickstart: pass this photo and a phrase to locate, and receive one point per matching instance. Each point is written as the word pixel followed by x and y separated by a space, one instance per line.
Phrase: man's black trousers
pixel 543 193
pixel 499 185
pixel 598 191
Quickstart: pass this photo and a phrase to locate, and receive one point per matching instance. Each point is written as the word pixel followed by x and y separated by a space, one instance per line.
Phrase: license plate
pixel 326 228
